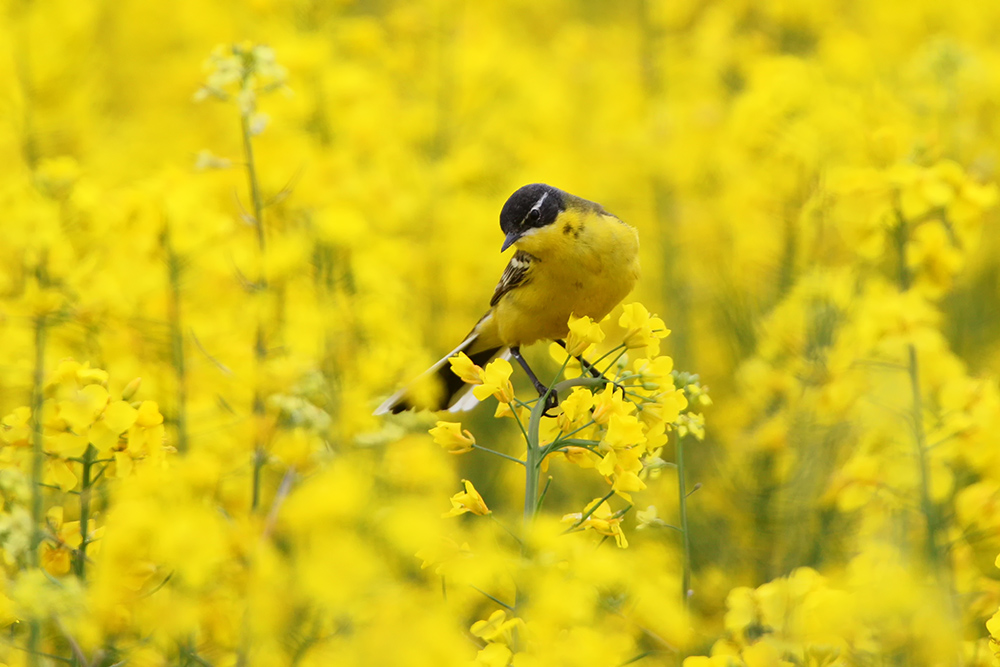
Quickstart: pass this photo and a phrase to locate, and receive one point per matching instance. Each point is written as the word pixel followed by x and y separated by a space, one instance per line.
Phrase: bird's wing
pixel 514 275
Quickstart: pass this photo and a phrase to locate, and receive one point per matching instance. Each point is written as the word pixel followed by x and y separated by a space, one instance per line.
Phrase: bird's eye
pixel 533 216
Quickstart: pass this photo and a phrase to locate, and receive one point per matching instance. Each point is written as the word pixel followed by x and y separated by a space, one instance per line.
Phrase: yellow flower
pixel 575 409
pixel 648 518
pixel 993 625
pixel 497 628
pixel 451 436
pixel 443 553
pixel 16 430
pixel 493 655
pixel 463 367
pixel 623 431
pixel 81 409
pixel 148 415
pixel 626 482
pixel 117 418
pixel 59 472
pixel 583 332
pixel 610 402
pixel 496 381
pixel 602 520
pixel 580 456
pixel 642 330
pixel 57 554
pixel 512 411
pixel 467 501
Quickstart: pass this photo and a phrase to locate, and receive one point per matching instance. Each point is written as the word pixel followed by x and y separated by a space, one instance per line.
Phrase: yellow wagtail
pixel 572 257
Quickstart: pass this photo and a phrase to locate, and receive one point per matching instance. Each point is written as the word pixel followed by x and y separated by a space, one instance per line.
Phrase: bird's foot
pixel 551 402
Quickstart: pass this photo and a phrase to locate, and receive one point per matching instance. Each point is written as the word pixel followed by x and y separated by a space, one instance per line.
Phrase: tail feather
pixel 456 395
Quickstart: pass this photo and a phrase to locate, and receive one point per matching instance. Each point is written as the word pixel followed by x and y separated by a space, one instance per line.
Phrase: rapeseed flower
pixel 467 501
pixel 452 438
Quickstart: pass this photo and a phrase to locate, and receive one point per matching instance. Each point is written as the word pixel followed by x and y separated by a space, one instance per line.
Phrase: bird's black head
pixel 532 206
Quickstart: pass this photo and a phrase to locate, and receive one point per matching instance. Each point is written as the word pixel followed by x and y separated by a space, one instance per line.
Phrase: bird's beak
pixel 511 238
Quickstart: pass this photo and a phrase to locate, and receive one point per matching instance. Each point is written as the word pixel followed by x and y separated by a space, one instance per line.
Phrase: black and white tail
pixel 456 395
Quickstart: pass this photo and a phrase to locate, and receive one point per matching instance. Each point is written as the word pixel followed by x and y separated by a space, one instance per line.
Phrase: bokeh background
pixel 814 187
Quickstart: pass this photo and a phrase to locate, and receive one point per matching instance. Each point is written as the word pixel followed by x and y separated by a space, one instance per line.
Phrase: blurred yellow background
pixel 814 185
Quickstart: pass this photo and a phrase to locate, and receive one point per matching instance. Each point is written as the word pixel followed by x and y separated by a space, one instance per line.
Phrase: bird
pixel 572 257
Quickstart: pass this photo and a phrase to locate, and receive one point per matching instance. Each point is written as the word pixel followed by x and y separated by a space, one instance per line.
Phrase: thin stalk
pixel 260 347
pixel 86 484
pixel 685 534
pixel 932 547
pixel 531 470
pixel 607 354
pixel 535 454
pixel 252 182
pixel 545 491
pixel 37 473
pixel 496 453
pixel 932 543
pixel 177 340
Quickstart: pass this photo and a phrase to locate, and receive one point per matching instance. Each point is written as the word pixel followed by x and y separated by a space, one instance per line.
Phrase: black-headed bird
pixel 572 258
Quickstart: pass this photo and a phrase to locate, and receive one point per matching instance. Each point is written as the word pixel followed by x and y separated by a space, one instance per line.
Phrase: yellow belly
pixel 586 269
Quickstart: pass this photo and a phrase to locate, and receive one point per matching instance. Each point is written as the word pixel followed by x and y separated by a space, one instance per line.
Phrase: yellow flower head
pixel 15 428
pixel 602 520
pixel 641 328
pixel 610 402
pixel 648 518
pixel 623 431
pixel 497 628
pixel 496 381
pixel 451 436
pixel 576 408
pixel 656 370
pixel 463 367
pixel 580 456
pixel 467 501
pixel 583 332
pixel 626 482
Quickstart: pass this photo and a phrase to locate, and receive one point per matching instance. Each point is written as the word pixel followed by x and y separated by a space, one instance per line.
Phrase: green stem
pixel 533 460
pixel 260 348
pixel 496 453
pixel 86 484
pixel 535 454
pixel 252 182
pixel 37 473
pixel 618 348
pixel 932 544
pixel 177 340
pixel 685 534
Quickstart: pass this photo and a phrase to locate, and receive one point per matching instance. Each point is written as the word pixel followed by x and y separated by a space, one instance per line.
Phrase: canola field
pixel 231 229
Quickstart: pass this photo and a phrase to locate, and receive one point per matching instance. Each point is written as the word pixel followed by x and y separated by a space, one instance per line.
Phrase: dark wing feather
pixel 514 275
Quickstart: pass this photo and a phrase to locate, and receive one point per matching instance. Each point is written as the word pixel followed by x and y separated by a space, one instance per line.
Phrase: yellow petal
pixel 67 445
pixel 123 465
pixel 58 473
pixel 119 416
pixel 80 411
pixel 149 414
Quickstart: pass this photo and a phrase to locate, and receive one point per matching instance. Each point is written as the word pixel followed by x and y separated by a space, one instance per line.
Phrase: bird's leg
pixel 584 364
pixel 553 399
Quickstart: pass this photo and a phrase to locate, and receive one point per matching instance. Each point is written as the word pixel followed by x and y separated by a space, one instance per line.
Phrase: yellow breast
pixel 585 263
